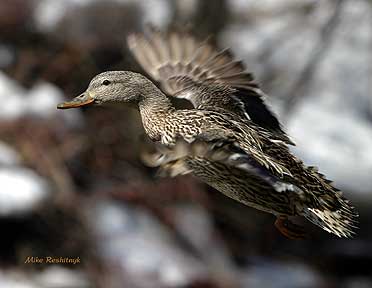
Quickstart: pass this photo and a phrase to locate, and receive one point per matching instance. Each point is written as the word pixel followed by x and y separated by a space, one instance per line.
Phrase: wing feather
pixel 165 55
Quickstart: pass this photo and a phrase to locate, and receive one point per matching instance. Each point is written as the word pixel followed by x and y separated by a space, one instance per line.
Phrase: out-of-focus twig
pixel 200 16
pixel 300 87
pixel 369 87
pixel 271 45
pixel 52 164
pixel 255 11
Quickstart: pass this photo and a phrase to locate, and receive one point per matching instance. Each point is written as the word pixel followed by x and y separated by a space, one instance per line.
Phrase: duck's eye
pixel 106 82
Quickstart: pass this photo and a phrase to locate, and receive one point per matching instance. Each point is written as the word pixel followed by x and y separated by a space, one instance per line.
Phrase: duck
pixel 240 157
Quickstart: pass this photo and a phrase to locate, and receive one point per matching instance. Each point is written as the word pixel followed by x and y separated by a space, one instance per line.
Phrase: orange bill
pixel 79 101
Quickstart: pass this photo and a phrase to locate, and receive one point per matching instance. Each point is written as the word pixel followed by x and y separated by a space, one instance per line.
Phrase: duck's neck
pixel 154 107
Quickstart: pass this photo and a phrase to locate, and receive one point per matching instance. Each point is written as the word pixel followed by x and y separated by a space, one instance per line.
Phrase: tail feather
pixel 341 222
pixel 328 208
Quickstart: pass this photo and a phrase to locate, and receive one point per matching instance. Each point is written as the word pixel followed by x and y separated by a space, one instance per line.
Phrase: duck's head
pixel 110 87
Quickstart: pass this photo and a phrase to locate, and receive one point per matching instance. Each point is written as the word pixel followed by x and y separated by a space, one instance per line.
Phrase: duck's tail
pixel 334 214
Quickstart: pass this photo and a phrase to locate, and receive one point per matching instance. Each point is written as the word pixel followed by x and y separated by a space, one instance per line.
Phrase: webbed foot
pixel 289 229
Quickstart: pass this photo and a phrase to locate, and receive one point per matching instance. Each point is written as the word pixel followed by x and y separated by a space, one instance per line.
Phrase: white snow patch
pixel 43 98
pixel 21 190
pixel 156 12
pixel 48 13
pixel 40 101
pixel 142 247
pixel 237 6
pixel 57 276
pixel 339 142
pixel 15 279
pixel 12 105
pixel 53 277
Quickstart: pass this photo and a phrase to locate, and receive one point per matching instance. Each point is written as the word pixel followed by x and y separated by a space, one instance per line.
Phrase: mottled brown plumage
pixel 251 158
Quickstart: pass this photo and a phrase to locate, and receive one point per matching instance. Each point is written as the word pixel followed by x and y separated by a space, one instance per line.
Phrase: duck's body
pixel 213 80
pixel 260 171
pixel 244 161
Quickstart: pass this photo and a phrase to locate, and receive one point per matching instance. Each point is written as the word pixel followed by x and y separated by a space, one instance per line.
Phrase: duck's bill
pixel 79 101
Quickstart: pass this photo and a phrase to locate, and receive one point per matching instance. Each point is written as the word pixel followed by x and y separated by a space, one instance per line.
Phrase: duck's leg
pixel 289 229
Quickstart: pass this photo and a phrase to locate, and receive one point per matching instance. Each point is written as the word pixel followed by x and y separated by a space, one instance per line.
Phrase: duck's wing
pixel 211 163
pixel 211 147
pixel 210 78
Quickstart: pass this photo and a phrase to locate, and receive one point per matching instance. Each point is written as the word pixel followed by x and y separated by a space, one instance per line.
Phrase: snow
pixel 15 279
pixel 40 101
pixel 156 12
pixel 11 98
pixel 237 6
pixel 48 13
pixel 339 142
pixel 58 276
pixel 21 190
pixel 142 246
pixel 51 277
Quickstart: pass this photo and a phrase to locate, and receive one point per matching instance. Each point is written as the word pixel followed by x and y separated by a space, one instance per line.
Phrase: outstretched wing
pixel 196 70
pixel 214 150
pixel 314 196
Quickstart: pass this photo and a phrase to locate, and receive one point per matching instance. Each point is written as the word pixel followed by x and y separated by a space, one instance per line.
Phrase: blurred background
pixel 72 184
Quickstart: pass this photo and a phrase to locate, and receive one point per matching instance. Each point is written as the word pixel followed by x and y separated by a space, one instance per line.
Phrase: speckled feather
pixel 315 195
